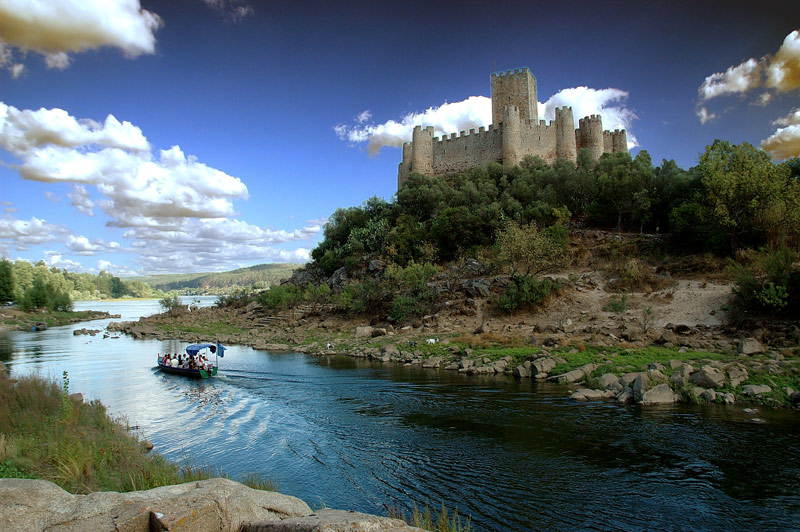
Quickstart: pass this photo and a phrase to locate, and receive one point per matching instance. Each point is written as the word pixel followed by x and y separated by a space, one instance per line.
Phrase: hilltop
pixel 258 277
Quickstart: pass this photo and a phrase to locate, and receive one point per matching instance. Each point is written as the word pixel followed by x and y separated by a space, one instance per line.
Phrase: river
pixel 347 433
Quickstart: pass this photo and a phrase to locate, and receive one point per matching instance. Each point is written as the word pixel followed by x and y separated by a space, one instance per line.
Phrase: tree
pixel 528 249
pixel 747 194
pixel 7 287
pixel 172 305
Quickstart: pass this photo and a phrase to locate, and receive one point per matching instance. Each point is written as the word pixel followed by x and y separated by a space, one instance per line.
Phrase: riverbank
pixel 14 319
pixel 683 343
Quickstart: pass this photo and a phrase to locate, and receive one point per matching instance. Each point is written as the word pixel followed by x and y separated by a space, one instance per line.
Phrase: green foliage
pixel 172 305
pixel 525 292
pixel 748 196
pixel 280 297
pixel 529 250
pixel 7 283
pixel 258 277
pixel 617 305
pixel 768 285
pixel 435 521
pixel 405 308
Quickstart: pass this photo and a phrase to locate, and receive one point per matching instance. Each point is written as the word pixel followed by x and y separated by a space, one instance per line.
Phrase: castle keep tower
pixel 515 88
pixel 515 132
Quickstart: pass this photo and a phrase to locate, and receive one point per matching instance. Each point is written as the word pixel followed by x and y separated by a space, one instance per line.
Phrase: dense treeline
pixel 736 198
pixel 258 277
pixel 35 286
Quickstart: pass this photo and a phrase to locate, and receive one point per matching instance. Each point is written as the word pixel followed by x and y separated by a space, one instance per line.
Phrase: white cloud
pixel 54 258
pixel 476 111
pixel 56 27
pixel 363 116
pixel 58 60
pixel 705 116
pixel 17 70
pixel 81 245
pixel 473 112
pixel 24 130
pixel 791 119
pixel 737 79
pixel 81 200
pixel 20 234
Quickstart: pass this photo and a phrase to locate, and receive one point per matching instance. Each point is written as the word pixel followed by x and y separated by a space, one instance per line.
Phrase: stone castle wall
pixel 516 132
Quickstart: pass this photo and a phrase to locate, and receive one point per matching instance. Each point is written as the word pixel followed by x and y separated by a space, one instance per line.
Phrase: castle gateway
pixel 515 132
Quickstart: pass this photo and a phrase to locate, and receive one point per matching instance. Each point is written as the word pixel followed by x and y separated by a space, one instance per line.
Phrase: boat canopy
pixel 193 349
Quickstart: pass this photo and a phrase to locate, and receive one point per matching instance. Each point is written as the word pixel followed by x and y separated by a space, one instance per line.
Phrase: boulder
pixel 576 374
pixel 523 371
pixel 585 394
pixel 755 389
pixel 628 378
pixel 708 395
pixel 433 362
pixel 728 398
pixel 215 504
pixel 610 381
pixel 708 377
pixel 639 386
pixel 736 375
pixel 625 396
pixel 378 331
pixel 364 331
pixel 391 351
pixel 543 365
pixel 658 395
pixel 667 337
pixel 328 520
pixel 750 346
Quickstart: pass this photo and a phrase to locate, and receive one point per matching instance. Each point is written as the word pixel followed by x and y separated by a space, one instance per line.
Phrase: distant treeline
pixel 37 286
pixel 258 277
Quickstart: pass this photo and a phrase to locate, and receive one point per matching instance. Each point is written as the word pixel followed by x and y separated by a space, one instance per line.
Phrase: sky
pixel 206 135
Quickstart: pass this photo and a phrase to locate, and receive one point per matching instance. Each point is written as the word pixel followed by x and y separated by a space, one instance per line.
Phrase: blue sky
pixel 199 135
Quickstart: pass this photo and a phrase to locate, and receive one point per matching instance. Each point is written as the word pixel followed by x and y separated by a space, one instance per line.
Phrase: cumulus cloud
pixel 737 79
pixel 785 142
pixel 81 200
pixel 705 116
pixel 115 158
pixel 57 27
pixel 21 234
pixel 476 111
pixel 56 259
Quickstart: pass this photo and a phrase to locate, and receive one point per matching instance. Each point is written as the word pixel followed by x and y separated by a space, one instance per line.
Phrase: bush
pixel 405 308
pixel 527 291
pixel 281 297
pixel 768 285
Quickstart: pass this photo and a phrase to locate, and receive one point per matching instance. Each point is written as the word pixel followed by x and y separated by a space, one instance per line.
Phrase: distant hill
pixel 260 276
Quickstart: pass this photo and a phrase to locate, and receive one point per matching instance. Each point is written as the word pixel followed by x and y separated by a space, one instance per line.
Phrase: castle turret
pixel 512 154
pixel 619 141
pixel 565 134
pixel 404 168
pixel 590 135
pixel 515 88
pixel 422 150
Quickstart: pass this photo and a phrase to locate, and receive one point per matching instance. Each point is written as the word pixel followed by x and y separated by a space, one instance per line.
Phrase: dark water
pixel 346 433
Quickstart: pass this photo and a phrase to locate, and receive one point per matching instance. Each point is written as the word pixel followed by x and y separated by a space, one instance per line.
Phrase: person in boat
pixel 165 360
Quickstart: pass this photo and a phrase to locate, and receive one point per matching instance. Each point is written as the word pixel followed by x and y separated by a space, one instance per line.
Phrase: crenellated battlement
pixel 516 132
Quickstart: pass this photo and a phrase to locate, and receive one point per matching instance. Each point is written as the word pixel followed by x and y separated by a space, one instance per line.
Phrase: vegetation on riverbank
pixel 13 318
pixel 46 434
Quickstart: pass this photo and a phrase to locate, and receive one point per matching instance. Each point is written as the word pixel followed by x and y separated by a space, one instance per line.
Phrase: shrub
pixel 280 297
pixel 527 291
pixel 769 284
pixel 405 308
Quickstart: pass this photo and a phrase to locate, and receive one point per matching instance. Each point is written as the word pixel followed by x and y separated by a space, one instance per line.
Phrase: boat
pixel 192 351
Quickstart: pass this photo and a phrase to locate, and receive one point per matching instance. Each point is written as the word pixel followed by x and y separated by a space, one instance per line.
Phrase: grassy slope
pixel 260 273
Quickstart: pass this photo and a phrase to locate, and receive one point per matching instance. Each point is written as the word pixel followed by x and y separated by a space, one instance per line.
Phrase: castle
pixel 515 132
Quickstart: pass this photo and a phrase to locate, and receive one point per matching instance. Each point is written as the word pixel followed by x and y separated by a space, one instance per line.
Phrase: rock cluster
pixel 215 504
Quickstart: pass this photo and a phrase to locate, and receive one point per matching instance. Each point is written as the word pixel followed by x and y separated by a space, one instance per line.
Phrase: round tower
pixel 565 134
pixel 404 167
pixel 422 150
pixel 512 153
pixel 619 141
pixel 591 135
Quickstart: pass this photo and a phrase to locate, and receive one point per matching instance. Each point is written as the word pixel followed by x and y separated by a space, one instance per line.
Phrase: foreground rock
pixel 215 504
pixel 332 521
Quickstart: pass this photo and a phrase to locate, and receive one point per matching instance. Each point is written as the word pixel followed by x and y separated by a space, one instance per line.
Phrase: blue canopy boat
pixel 191 352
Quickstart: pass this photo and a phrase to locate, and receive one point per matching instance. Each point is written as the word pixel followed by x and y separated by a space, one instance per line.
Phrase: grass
pixel 46 435
pixel 433 520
